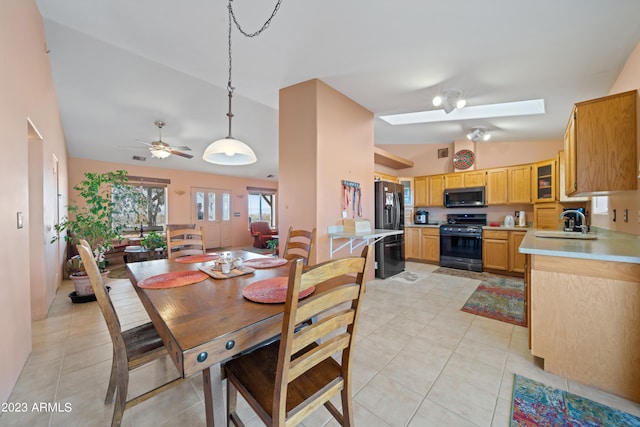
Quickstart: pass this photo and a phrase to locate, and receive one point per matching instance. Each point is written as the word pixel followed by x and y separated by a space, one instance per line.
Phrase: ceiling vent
pixel 139 158
pixel 443 153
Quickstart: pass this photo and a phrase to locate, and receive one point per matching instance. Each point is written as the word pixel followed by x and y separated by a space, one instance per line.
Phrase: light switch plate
pixel 19 220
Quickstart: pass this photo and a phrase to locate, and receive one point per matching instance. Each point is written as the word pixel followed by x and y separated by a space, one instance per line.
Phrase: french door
pixel 211 210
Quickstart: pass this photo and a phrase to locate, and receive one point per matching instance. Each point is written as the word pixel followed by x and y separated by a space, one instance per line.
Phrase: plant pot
pixel 82 284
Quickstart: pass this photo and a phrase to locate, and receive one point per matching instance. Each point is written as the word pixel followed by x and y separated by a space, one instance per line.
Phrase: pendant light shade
pixel 229 151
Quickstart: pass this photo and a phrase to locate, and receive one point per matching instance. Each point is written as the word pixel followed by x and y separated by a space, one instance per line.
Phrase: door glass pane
pixel 226 206
pixel 200 206
pixel 212 206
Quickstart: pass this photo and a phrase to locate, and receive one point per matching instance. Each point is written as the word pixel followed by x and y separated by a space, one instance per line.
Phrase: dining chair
pixel 300 244
pixel 132 348
pixel 287 380
pixel 185 241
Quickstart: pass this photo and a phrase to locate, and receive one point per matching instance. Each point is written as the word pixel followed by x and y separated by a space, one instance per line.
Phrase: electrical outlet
pixel 626 215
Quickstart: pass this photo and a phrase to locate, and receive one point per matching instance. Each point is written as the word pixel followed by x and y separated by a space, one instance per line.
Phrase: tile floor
pixel 419 361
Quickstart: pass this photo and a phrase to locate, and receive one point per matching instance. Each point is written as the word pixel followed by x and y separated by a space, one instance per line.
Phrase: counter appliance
pixel 421 217
pixel 389 215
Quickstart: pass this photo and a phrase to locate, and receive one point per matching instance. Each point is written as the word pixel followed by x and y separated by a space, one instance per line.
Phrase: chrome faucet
pixel 583 226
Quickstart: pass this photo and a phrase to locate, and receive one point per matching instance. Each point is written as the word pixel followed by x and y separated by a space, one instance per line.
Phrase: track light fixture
pixel 450 99
pixel 479 134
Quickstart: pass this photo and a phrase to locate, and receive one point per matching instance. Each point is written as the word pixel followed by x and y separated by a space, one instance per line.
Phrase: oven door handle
pixel 473 236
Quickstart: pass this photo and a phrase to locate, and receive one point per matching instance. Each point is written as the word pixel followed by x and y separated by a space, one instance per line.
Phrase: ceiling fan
pixel 162 150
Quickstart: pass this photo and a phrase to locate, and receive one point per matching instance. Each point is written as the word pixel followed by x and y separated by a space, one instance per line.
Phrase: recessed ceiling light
pixel 506 109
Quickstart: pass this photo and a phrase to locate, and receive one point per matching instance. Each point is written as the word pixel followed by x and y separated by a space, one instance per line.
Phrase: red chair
pixel 261 232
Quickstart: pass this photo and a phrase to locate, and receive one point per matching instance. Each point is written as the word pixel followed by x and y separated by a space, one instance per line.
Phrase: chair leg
pixel 232 402
pixel 121 398
pixel 347 408
pixel 112 382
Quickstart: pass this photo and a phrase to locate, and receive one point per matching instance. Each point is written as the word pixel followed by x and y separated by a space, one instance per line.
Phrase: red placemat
pixel 173 279
pixel 197 258
pixel 273 290
pixel 265 262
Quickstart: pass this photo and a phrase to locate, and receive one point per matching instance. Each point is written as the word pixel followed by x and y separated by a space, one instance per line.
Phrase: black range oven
pixel 461 241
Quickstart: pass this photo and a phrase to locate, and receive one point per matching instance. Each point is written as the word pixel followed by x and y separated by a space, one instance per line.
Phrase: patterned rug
pixel 536 404
pixel 463 273
pixel 499 298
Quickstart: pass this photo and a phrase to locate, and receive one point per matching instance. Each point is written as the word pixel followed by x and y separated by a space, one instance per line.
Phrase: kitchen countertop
pixel 609 246
pixel 484 227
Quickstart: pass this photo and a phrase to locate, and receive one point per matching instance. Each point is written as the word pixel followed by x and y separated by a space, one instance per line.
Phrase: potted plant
pixel 91 220
pixel 273 245
pixel 154 242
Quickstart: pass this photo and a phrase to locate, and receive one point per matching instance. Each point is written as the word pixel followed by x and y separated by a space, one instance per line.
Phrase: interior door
pixel 211 210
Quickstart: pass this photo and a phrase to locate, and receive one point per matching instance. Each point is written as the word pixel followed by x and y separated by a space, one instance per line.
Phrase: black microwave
pixel 472 197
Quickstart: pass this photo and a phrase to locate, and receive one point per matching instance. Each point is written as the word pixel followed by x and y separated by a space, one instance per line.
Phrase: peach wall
pixel 27 94
pixel 179 205
pixel 325 138
pixel 488 155
pixel 629 79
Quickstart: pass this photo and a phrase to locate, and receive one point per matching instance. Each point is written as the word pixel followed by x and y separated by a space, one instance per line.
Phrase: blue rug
pixel 536 404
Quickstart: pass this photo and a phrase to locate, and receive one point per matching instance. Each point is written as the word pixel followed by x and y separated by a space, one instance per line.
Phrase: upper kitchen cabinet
pixel 519 186
pixel 420 191
pixel 464 179
pixel 454 180
pixel 497 182
pixel 601 145
pixel 436 190
pixel 544 181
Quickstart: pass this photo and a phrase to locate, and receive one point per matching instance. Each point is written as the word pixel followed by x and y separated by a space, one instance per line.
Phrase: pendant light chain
pixel 232 17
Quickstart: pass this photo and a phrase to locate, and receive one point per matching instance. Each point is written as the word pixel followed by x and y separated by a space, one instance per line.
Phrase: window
pixel 600 205
pixel 140 202
pixel 262 205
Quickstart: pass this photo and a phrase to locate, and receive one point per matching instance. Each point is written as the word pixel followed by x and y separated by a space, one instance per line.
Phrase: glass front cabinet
pixel 544 181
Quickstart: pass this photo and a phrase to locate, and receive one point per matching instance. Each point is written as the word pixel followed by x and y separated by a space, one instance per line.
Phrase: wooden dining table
pixel 206 323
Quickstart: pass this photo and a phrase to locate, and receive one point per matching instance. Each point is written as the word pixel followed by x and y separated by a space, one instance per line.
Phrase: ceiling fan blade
pixel 178 153
pixel 180 147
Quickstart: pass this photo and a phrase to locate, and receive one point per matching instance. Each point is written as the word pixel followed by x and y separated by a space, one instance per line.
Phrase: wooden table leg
pixel 213 396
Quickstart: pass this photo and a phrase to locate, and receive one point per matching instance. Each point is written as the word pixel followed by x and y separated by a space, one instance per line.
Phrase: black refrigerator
pixel 389 202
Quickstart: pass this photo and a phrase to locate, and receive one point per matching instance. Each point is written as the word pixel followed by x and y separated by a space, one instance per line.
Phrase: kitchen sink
pixel 565 235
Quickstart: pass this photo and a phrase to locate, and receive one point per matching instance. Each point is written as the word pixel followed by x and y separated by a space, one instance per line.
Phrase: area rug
pixel 499 298
pixel 537 404
pixel 119 272
pixel 408 277
pixel 462 273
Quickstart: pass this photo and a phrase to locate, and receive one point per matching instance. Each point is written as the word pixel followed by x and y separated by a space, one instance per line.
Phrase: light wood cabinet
pixel 495 250
pixel 474 179
pixel 454 180
pixel 561 187
pixel 500 251
pixel 421 191
pixel 544 181
pixel 430 244
pixel 516 259
pixel 601 145
pixel 436 189
pixel 546 216
pixel 412 243
pixel 496 191
pixel 519 185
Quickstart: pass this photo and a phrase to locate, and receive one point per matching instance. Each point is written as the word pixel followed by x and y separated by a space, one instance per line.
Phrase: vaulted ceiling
pixel 120 65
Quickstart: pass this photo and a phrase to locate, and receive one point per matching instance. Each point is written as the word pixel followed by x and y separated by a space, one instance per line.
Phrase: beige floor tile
pixel 389 400
pixel 418 361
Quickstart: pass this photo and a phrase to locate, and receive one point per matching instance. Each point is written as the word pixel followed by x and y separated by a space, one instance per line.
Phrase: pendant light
pixel 230 151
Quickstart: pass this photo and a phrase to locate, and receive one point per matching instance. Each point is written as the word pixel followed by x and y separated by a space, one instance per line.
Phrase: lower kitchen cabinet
pixel 495 250
pixel 500 251
pixel 412 242
pixel 422 244
pixel 430 244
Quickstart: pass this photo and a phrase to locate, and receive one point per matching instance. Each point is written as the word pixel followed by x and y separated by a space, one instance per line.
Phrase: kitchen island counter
pixel 609 246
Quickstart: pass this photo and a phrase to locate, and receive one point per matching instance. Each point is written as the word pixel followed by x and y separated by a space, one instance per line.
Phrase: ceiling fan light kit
pixel 230 151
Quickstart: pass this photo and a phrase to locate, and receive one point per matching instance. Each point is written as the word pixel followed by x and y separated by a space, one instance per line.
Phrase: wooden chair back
pixel 300 244
pixel 102 295
pixel 185 241
pixel 302 350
